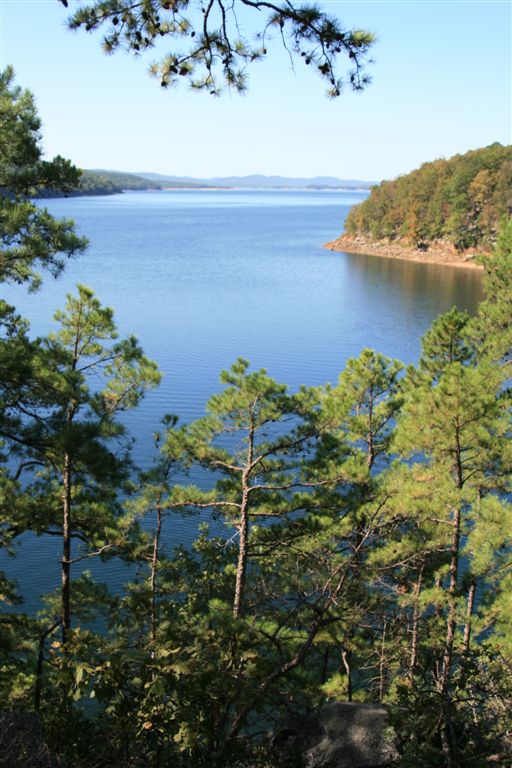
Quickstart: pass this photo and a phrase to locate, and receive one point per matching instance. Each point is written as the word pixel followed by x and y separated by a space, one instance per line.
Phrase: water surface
pixel 202 278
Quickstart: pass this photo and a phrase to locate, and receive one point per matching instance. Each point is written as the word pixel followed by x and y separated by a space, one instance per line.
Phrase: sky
pixel 442 84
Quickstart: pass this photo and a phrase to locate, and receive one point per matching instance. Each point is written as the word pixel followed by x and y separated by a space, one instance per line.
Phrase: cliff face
pixel 445 211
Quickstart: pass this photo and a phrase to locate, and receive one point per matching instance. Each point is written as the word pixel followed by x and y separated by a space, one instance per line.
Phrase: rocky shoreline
pixel 437 253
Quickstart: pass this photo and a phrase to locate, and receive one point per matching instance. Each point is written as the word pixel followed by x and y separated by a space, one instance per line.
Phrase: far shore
pixel 442 254
pixel 170 188
pixel 193 189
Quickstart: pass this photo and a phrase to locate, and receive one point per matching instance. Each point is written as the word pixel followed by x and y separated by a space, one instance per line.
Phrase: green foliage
pixel 452 544
pixel 21 167
pixel 478 720
pixel 364 404
pixel 64 464
pixel 459 201
pixel 29 236
pixel 245 440
pixel 216 51
pixel 492 327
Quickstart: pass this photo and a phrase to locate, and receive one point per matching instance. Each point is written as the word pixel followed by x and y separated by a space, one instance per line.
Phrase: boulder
pixel 338 735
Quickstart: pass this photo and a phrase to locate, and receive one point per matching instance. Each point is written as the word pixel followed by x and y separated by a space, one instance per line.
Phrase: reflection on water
pixel 418 283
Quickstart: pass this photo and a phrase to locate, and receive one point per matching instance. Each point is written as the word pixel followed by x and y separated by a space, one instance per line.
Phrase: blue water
pixel 202 278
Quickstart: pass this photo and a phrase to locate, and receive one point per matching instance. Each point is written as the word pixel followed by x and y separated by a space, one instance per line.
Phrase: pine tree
pixel 30 240
pixel 245 440
pixel 77 440
pixel 453 430
pixel 218 52
pixel 492 327
pixel 356 425
pixel 29 236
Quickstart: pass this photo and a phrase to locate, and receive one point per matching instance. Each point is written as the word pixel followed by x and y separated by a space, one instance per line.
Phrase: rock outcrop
pixel 436 253
pixel 338 735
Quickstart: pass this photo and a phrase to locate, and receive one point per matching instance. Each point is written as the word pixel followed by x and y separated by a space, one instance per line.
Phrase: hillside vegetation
pixel 117 179
pixel 459 202
pixel 102 183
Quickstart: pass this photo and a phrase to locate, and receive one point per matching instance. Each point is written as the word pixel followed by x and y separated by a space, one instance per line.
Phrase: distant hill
pixel 260 181
pixel 456 202
pixel 149 180
pixel 119 179
pixel 100 182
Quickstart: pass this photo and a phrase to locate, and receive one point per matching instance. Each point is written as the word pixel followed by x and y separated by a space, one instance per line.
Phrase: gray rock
pixel 339 735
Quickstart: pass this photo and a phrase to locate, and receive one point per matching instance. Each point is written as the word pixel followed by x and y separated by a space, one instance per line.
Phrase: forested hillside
pixel 100 183
pixel 117 179
pixel 459 202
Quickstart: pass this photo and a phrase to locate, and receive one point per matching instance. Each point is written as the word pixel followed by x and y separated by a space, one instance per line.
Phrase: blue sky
pixel 442 84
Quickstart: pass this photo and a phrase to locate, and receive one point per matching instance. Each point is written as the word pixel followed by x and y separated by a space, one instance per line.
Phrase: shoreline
pixel 442 255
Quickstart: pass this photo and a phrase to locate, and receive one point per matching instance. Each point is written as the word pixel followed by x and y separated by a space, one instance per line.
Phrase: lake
pixel 204 277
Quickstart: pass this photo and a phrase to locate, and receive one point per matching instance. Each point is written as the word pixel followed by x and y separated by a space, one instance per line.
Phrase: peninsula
pixel 445 212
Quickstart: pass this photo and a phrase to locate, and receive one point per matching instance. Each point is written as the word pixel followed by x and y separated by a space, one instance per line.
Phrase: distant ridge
pixel 258 181
pixel 142 181
pixel 100 181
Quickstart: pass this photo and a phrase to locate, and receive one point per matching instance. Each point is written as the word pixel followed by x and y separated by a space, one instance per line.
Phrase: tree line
pixel 98 183
pixel 459 201
pixel 366 552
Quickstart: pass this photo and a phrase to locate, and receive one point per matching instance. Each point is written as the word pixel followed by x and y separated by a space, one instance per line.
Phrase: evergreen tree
pixel 30 237
pixel 30 240
pixel 77 439
pixel 246 441
pixel 492 327
pixel 218 51
pixel 454 431
pixel 356 425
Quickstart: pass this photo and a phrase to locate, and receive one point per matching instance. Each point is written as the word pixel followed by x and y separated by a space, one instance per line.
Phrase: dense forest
pixel 366 553
pixel 459 201
pixel 99 183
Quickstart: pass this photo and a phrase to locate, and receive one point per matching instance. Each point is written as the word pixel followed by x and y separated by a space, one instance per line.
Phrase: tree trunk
pixel 154 566
pixel 242 557
pixel 382 662
pixel 345 655
pixel 415 622
pixel 469 614
pixel 451 622
pixel 38 687
pixel 65 615
pixel 243 524
pixel 445 745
